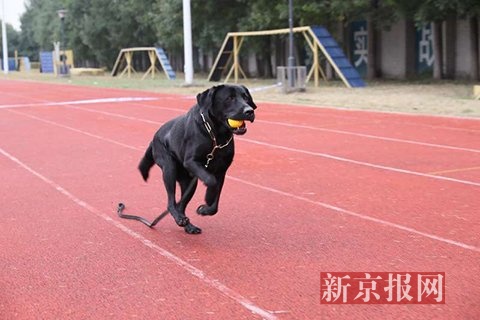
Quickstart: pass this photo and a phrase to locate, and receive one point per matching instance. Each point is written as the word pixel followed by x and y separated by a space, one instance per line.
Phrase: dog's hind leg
pixel 212 198
pixel 188 185
pixel 169 169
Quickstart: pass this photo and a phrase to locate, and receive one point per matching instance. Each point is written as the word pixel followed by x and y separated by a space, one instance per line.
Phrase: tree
pixel 28 46
pixel 99 29
pixel 207 33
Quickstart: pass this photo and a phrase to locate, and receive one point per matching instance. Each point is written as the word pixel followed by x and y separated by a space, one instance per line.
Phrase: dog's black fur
pixel 180 147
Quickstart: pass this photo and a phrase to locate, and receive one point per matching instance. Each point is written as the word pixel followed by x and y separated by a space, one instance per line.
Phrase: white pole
pixel 187 42
pixel 4 41
pixel 291 59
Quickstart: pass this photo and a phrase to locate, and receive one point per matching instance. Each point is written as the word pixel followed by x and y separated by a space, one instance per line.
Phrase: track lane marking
pixel 75 102
pixel 455 170
pixel 312 153
pixel 323 204
pixel 214 283
pixel 349 117
pixel 363 135
pixel 73 129
pixel 359 215
pixel 117 115
pixel 306 106
pixel 135 100
pixel 361 163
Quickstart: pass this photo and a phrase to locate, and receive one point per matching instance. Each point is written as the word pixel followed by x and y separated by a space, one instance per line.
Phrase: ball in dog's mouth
pixel 238 126
pixel 235 123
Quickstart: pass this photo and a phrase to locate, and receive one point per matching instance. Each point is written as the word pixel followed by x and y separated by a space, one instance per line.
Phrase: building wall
pixel 463 59
pixel 393 51
pixel 252 67
pixel 397 60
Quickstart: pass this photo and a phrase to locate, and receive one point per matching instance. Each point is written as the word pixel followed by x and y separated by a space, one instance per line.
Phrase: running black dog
pixel 199 145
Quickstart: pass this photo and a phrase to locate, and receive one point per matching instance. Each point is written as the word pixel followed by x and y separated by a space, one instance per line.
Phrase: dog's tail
pixel 146 163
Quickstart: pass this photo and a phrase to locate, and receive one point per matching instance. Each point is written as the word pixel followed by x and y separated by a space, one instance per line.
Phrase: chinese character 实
pixel 361 50
pixel 334 288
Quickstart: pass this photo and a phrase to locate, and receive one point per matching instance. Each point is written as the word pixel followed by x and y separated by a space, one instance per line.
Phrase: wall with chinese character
pixel 358 46
pixel 407 50
pixel 424 49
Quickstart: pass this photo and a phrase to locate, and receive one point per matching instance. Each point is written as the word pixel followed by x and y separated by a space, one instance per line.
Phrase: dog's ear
pixel 206 98
pixel 249 98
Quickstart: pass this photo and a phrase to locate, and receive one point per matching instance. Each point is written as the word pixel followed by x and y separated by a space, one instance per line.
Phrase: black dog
pixel 199 145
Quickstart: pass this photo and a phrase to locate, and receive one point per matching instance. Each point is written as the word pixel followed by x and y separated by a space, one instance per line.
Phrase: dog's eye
pixel 230 98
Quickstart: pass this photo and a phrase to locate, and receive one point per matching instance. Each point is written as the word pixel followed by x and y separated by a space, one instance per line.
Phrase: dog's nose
pixel 248 111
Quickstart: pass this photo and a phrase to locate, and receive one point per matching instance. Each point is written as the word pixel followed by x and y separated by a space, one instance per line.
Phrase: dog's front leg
pixel 212 198
pixel 201 172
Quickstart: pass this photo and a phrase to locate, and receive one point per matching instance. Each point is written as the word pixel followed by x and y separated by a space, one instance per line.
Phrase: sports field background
pixel 452 98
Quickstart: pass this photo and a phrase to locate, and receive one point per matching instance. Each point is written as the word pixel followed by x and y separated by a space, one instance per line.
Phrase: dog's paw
pixel 182 221
pixel 191 229
pixel 205 210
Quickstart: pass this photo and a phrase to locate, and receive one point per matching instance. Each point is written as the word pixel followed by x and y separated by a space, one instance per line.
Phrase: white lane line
pixel 328 206
pixel 157 107
pixel 383 112
pixel 73 129
pixel 317 154
pixel 359 215
pixel 214 283
pixel 292 125
pixel 117 115
pixel 361 163
pixel 291 108
pixel 75 102
pixel 454 170
pixel 370 136
pixel 306 106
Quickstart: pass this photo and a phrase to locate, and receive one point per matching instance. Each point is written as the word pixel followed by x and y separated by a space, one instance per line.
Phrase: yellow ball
pixel 235 123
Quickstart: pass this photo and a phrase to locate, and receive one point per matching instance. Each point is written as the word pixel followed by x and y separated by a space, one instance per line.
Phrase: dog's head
pixel 225 102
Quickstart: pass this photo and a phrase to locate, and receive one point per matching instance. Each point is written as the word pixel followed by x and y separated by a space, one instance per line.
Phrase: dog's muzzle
pixel 248 114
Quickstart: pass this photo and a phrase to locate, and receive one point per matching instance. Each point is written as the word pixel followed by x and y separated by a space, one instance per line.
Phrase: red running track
pixel 311 190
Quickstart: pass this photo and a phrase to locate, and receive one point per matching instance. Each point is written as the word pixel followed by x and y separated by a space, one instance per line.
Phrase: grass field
pixel 420 97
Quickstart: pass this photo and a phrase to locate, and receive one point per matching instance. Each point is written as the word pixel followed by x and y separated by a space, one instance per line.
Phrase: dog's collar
pixel 216 146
